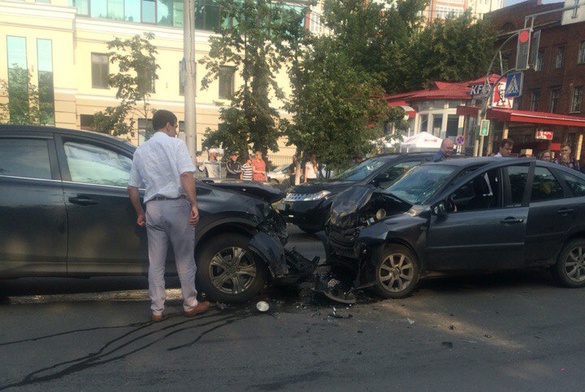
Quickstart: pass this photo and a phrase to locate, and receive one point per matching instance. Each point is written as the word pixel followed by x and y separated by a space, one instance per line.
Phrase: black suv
pixel 65 211
pixel 307 205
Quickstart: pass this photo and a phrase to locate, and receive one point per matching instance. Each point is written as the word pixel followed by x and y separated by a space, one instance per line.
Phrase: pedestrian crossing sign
pixel 514 84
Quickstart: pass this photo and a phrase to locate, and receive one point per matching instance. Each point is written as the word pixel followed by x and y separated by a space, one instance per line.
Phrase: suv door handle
pixel 82 201
pixel 565 211
pixel 510 221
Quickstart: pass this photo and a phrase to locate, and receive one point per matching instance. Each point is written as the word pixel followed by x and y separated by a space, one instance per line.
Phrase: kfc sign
pixel 498 98
pixel 544 135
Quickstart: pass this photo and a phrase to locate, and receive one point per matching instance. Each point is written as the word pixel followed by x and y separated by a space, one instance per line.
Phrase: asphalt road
pixel 504 332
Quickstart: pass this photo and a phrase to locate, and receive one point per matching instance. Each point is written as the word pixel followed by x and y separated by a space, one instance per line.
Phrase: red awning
pixel 409 110
pixel 525 116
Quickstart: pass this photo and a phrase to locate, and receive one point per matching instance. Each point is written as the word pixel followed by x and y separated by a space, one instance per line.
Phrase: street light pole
pixel 190 75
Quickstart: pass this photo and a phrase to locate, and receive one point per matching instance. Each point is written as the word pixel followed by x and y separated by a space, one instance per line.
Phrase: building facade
pixel 555 82
pixel 63 44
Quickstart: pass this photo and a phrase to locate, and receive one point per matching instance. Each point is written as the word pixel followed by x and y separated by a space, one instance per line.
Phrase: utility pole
pixel 190 75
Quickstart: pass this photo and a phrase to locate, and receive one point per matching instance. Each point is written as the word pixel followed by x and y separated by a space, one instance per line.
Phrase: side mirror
pixel 440 209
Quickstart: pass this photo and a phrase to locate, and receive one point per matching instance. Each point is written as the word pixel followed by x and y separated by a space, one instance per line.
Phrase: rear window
pixel 25 158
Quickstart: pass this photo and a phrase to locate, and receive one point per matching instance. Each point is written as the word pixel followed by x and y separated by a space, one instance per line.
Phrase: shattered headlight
pixel 307 196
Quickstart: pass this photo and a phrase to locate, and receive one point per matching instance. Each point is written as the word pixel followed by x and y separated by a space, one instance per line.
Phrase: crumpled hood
pixel 358 206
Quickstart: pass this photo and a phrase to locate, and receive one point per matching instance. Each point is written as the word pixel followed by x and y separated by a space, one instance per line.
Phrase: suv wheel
pixel 396 272
pixel 227 271
pixel 569 270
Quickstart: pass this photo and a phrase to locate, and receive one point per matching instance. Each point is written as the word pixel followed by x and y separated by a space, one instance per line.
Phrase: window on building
pixel 560 59
pixel 86 122
pixel 45 86
pixel 539 61
pixel 226 82
pixel 581 58
pixel 424 122
pixel 534 98
pixel 18 79
pixel 438 125
pixel 98 8
pixel 207 15
pixel 132 11
pixel 146 78
pixel 148 11
pixel 81 5
pixel 554 99
pixel 577 100
pixel 452 125
pixel 100 69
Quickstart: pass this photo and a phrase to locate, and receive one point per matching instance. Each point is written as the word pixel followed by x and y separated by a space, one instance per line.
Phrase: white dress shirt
pixel 158 164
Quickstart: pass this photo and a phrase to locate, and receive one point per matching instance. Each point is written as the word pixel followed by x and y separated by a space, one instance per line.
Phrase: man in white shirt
pixel 162 166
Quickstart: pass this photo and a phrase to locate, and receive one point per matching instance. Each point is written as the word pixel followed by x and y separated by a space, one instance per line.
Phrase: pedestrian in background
pixel 247 170
pixel 311 169
pixel 233 167
pixel 162 166
pixel 258 167
pixel 506 146
pixel 213 165
pixel 445 150
pixel 566 159
pixel 546 155
pixel 292 169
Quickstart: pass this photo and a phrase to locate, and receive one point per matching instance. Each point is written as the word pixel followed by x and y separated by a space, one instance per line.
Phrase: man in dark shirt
pixel 234 168
pixel 445 150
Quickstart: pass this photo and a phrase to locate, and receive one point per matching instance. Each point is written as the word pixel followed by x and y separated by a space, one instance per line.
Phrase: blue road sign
pixel 514 84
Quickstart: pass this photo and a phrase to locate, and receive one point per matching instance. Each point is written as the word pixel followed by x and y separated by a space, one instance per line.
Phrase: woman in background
pixel 259 167
pixel 311 169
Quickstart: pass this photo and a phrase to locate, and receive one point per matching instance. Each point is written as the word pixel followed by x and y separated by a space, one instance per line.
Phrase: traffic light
pixel 523 50
pixel 484 128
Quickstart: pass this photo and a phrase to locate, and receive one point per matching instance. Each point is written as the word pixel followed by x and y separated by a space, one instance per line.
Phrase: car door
pixel 487 229
pixel 554 209
pixel 33 237
pixel 103 235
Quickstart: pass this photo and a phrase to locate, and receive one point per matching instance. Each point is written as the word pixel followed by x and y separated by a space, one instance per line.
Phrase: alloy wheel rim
pixel 396 272
pixel 232 271
pixel 575 264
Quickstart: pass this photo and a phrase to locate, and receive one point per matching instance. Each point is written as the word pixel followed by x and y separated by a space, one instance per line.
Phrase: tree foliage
pixel 256 43
pixel 136 60
pixel 451 50
pixel 336 108
pixel 27 104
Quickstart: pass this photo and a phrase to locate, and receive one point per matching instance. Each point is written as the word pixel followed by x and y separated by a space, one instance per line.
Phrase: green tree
pixel 451 50
pixel 254 42
pixel 25 104
pixel 136 61
pixel 336 109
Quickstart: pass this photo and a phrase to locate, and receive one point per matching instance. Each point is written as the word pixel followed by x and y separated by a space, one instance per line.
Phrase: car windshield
pixel 421 182
pixel 361 171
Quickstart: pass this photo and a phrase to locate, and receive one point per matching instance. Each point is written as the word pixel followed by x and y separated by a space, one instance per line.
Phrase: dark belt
pixel 168 198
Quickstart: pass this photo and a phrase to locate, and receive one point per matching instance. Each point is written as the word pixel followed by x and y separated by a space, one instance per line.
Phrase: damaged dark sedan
pixel 65 212
pixel 466 215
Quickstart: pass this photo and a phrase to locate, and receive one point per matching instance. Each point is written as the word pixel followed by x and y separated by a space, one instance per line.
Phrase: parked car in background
pixel 280 175
pixel 476 214
pixel 307 205
pixel 65 211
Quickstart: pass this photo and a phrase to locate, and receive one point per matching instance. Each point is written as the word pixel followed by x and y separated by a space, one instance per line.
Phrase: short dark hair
pixel 506 141
pixel 161 118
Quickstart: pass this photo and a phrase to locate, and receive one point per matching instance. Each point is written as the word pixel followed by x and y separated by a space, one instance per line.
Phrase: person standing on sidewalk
pixel 162 166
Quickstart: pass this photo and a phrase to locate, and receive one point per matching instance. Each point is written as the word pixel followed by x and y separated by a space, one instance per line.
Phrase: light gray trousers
pixel 168 221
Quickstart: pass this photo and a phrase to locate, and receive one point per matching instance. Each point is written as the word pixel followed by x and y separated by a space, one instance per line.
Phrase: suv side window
pixel 545 186
pixel 25 158
pixel 576 184
pixel 93 164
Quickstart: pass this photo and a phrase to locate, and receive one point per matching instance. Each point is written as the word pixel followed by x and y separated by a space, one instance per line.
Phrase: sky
pixel 510 2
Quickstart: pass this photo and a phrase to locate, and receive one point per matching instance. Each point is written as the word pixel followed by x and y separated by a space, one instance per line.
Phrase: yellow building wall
pixel 74 38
